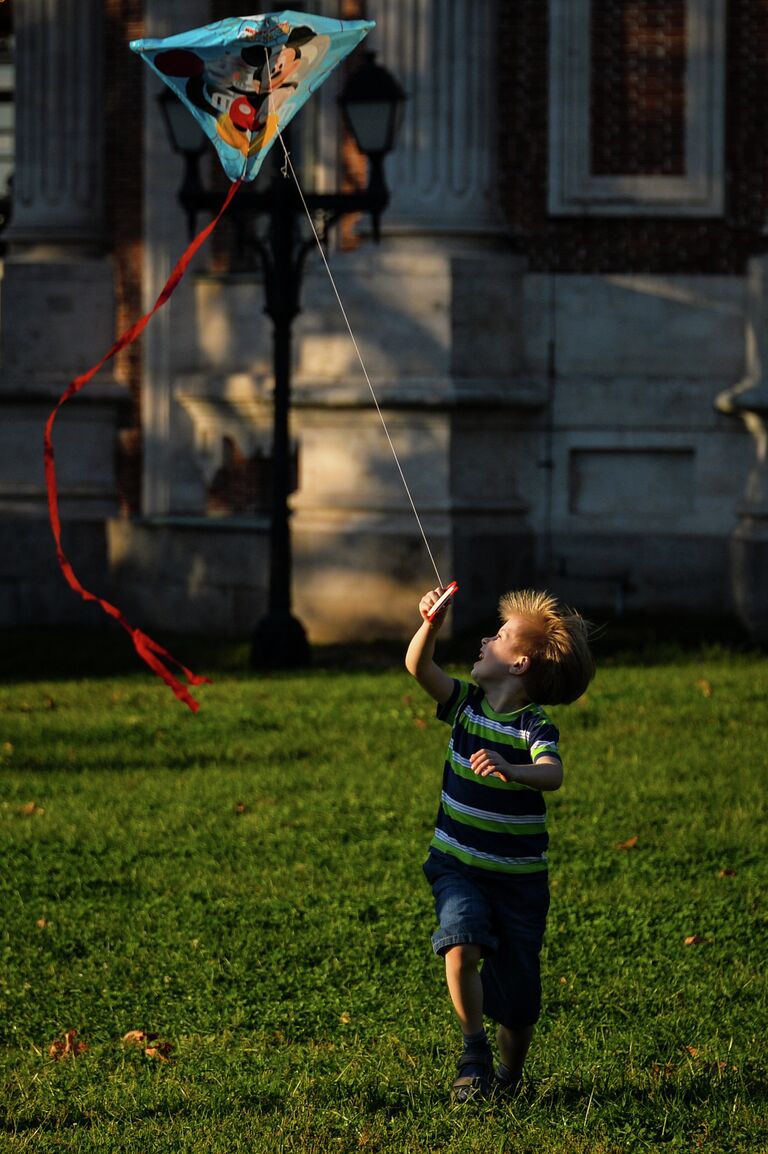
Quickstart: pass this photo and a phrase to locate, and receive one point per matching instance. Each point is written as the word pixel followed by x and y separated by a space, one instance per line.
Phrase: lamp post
pixel 370 102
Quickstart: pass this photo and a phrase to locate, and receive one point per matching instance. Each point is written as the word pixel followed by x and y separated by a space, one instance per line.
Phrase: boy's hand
pixel 486 763
pixel 426 603
pixel 420 660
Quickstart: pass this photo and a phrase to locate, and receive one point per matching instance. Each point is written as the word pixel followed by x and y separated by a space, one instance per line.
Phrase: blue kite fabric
pixel 244 78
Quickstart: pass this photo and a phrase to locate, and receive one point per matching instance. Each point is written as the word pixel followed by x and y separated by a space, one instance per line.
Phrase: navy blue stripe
pixel 480 796
pixel 499 844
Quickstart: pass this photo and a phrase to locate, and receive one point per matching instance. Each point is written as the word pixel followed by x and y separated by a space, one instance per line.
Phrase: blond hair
pixel 562 665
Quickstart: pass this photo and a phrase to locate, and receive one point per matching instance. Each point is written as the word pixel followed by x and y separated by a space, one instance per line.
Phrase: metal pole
pixel 279 640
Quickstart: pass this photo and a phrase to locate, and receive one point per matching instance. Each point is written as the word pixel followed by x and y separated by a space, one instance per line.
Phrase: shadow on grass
pixel 67 653
pixel 538 1101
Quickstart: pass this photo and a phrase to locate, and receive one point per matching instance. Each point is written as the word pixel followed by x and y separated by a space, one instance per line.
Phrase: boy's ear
pixel 522 665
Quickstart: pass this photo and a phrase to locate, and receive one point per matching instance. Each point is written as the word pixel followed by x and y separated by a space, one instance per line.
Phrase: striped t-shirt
pixel 485 822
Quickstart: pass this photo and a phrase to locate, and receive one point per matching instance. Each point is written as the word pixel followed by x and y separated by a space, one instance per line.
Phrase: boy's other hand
pixel 486 763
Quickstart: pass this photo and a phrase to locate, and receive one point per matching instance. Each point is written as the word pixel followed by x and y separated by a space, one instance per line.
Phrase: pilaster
pixel 749 401
pixel 56 299
pixel 58 182
pixel 443 171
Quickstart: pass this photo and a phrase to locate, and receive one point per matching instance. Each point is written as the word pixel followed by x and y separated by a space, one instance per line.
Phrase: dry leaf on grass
pixel 138 1038
pixel 630 843
pixel 696 940
pixel 152 1044
pixel 30 809
pixel 67 1047
pixel 704 687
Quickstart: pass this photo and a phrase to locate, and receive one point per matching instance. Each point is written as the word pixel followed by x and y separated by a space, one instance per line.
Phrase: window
pixel 636 95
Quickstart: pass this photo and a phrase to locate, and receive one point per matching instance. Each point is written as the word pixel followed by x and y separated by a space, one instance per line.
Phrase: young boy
pixel 487 862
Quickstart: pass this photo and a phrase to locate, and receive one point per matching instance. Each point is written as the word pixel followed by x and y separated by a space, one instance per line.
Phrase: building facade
pixel 564 325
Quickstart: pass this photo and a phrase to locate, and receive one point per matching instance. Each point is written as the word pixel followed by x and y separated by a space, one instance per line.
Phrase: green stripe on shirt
pixel 512 827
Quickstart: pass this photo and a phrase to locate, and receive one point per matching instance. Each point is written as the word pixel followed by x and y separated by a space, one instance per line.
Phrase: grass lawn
pixel 246 885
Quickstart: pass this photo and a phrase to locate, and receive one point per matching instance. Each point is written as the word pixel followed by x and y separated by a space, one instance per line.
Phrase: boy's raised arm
pixel 419 659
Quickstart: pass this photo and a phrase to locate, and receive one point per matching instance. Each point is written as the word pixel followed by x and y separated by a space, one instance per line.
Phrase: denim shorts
pixel 506 916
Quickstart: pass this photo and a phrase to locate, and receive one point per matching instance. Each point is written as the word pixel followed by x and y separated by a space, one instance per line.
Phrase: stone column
pixel 56 299
pixel 749 401
pixel 57 288
pixel 443 171
pixel 58 182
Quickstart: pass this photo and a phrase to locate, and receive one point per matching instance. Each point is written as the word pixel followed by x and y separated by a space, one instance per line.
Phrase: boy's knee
pixel 506 1036
pixel 465 956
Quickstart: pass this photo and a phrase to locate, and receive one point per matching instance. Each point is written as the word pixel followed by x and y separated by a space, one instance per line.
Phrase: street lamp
pixel 370 102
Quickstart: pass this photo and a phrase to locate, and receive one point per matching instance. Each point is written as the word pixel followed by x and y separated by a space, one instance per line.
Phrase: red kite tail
pixel 150 651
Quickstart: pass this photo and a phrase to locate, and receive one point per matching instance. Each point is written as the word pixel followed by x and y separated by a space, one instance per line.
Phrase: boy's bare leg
pixel 466 990
pixel 465 986
pixel 513 1047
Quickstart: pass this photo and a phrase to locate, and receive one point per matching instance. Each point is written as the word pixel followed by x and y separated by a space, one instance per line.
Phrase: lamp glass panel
pixel 186 132
pixel 371 123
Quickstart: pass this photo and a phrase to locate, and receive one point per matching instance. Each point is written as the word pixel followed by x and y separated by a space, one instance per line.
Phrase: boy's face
pixel 505 655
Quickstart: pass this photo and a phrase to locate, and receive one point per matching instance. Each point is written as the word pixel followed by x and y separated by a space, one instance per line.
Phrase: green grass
pixel 246 884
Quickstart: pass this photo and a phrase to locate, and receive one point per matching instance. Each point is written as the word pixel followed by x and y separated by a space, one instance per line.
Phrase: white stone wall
pixel 646 475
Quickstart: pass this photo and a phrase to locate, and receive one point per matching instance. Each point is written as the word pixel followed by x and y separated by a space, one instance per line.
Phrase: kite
pixel 243 79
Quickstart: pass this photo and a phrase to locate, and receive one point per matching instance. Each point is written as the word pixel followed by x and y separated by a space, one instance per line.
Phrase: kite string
pixel 288 167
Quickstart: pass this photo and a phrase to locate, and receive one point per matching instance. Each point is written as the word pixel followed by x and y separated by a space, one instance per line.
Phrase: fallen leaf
pixel 693 1051
pixel 241 807
pixel 41 923
pixel 704 686
pixel 138 1038
pixel 152 1044
pixel 695 940
pixel 30 808
pixel 67 1047
pixel 345 1018
pixel 630 843
pixel 727 874
pixel 420 723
